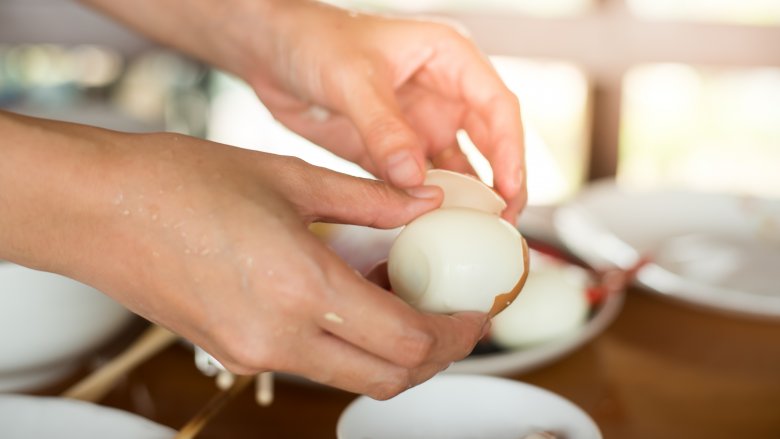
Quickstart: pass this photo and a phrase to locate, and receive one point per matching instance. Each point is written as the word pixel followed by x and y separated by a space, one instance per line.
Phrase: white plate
pixel 505 362
pixel 712 250
pixel 363 248
pixel 36 417
pixel 466 407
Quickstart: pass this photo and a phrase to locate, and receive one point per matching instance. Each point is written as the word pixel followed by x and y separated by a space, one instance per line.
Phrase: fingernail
pixel 402 169
pixel 423 192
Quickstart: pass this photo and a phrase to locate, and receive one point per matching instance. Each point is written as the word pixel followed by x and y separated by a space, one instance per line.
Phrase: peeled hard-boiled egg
pixel 462 256
pixel 554 303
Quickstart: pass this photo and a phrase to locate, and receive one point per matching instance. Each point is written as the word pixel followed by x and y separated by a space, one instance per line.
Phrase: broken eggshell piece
pixel 462 256
pixel 465 191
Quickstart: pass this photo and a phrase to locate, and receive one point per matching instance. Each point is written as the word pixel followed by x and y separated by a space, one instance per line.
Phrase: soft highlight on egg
pixel 462 256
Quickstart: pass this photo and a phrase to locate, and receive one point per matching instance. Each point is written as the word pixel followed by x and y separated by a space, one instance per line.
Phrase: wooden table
pixel 662 370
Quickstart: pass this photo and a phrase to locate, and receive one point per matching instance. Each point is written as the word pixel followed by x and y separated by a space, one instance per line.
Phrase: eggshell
pixel 462 190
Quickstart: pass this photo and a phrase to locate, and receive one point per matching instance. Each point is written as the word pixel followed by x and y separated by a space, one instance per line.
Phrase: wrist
pixel 54 178
pixel 251 32
pixel 236 36
pixel 293 33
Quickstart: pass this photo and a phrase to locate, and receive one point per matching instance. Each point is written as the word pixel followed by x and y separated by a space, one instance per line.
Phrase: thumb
pixel 340 198
pixel 392 145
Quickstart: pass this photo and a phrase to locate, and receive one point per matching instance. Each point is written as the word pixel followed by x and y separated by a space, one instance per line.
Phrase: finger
pixel 324 195
pixel 479 134
pixel 512 212
pixel 379 276
pixel 472 79
pixel 382 324
pixel 454 159
pixel 507 157
pixel 501 140
pixel 329 360
pixel 393 147
pixel 439 118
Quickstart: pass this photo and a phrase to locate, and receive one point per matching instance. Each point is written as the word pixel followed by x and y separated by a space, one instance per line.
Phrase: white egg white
pixel 553 304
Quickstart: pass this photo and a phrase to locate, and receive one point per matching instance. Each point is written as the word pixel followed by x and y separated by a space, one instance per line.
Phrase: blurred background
pixel 682 93
pixel 657 93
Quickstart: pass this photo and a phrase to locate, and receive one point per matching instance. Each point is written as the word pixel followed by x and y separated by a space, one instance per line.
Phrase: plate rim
pixel 574 215
pixel 494 380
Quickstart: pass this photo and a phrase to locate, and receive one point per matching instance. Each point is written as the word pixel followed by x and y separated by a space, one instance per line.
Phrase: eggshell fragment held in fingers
pixel 465 191
pixel 462 256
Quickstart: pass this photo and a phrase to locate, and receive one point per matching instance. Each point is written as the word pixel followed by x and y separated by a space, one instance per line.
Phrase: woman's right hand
pixel 212 242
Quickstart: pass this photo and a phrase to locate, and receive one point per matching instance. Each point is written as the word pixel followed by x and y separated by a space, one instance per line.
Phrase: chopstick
pixel 196 424
pixel 97 384
pixel 230 385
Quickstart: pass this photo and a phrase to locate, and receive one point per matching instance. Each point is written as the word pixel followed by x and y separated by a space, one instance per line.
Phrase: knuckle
pixel 305 299
pixel 292 297
pixel 385 128
pixel 355 67
pixel 377 190
pixel 295 169
pixel 502 101
pixel 300 294
pixel 379 194
pixel 450 29
pixel 244 357
pixel 416 348
pixel 512 99
pixel 514 103
pixel 291 176
pixel 358 64
pixel 504 98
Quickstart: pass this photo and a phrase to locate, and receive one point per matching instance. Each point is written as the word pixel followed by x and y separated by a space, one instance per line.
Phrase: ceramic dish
pixel 466 407
pixel 25 417
pixel 49 324
pixel 606 298
pixel 363 247
pixel 717 251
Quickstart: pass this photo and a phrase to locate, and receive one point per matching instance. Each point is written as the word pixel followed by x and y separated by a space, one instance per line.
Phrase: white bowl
pixel 48 323
pixel 466 407
pixel 24 417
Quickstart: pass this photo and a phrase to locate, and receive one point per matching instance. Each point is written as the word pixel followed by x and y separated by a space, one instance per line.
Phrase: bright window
pixel 751 12
pixel 531 7
pixel 554 99
pixel 702 128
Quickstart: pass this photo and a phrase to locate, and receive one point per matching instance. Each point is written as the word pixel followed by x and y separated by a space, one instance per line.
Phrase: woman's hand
pixel 212 242
pixel 388 94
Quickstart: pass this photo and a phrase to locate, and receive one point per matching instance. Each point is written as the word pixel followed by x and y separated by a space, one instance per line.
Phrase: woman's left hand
pixel 389 94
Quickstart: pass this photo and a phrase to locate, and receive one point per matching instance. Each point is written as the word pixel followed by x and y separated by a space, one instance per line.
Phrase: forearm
pixel 52 178
pixel 216 32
